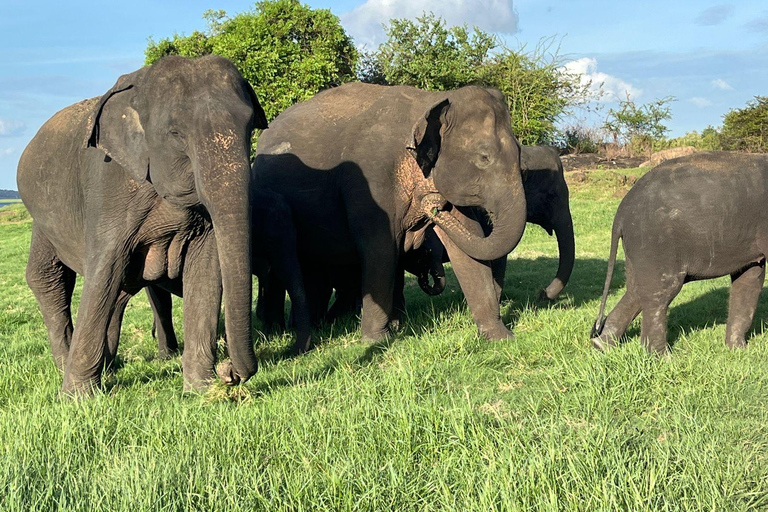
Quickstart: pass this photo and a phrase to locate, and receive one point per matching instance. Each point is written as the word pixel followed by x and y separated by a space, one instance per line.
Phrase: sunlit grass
pixel 434 419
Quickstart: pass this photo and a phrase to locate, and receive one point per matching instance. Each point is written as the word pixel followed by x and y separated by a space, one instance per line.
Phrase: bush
pixel 746 129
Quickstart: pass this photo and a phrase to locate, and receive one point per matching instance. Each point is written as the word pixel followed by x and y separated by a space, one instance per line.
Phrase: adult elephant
pixel 147 184
pixel 367 168
pixel 546 197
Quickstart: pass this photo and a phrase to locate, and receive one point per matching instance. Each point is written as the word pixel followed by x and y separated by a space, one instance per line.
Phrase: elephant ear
pixel 427 134
pixel 259 117
pixel 114 127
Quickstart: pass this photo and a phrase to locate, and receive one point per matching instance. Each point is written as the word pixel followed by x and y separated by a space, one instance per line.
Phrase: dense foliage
pixel 426 53
pixel 285 49
pixel 746 128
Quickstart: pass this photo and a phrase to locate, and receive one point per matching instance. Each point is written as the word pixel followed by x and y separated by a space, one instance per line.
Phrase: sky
pixel 711 56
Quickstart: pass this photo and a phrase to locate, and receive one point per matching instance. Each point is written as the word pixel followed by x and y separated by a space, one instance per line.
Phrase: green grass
pixel 435 419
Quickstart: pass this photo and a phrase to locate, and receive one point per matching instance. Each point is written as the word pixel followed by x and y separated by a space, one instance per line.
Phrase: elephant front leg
pixel 378 287
pixel 476 279
pixel 87 352
pixel 745 293
pixel 202 304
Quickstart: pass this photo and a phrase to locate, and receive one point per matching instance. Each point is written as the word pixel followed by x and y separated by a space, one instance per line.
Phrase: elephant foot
pixel 168 353
pixel 496 332
pixel 544 296
pixel 301 345
pixel 227 373
pixel 376 337
pixel 73 389
pixel 736 343
pixel 197 380
pixel 603 345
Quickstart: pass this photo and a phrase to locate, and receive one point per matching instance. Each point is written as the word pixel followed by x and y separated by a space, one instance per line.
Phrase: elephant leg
pixel 378 287
pixel 162 310
pixel 52 283
pixel 113 330
pixel 101 290
pixel 499 270
pixel 618 320
pixel 477 282
pixel 398 305
pixel 272 296
pixel 655 304
pixel 202 303
pixel 745 292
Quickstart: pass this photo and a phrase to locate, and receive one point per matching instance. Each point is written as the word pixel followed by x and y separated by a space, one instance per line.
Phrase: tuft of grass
pixel 432 419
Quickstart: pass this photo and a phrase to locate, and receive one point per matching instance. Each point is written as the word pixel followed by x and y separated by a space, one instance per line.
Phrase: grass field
pixel 435 419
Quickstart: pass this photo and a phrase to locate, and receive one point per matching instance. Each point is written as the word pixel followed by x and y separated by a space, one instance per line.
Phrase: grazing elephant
pixel 273 259
pixel 696 217
pixel 367 169
pixel 546 198
pixel 147 184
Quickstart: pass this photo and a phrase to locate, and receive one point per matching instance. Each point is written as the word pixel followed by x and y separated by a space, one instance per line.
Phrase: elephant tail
pixel 615 236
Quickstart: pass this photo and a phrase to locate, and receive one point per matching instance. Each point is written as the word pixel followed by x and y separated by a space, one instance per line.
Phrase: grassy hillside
pixel 435 419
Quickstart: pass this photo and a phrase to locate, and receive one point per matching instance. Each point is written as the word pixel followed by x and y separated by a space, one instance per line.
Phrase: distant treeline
pixel 9 194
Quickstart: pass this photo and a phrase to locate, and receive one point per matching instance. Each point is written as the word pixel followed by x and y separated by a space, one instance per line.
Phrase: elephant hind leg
pixel 52 283
pixel 113 331
pixel 655 304
pixel 746 286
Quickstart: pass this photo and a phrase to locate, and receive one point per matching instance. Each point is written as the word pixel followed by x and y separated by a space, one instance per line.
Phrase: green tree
pixel 639 126
pixel 285 49
pixel 746 129
pixel 427 54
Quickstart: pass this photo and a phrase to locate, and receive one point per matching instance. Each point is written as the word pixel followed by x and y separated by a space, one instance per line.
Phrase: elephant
pixel 695 217
pixel 367 169
pixel 546 197
pixel 273 260
pixel 146 185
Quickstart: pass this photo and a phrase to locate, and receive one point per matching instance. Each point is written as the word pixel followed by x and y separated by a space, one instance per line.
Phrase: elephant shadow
pixel 525 278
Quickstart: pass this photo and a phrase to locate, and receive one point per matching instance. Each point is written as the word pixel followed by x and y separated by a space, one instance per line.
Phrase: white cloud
pixel 700 102
pixel 612 88
pixel 721 84
pixel 9 128
pixel 7 151
pixel 365 21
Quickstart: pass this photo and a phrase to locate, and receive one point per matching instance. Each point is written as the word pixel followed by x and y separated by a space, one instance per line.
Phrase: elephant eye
pixel 484 160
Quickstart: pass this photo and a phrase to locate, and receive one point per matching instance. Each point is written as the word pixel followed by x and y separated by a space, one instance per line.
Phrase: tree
pixel 427 54
pixel 538 89
pixel 285 49
pixel 639 126
pixel 746 129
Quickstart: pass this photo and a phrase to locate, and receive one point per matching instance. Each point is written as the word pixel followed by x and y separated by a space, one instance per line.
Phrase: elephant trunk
pixel 438 280
pixel 224 182
pixel 563 228
pixel 508 214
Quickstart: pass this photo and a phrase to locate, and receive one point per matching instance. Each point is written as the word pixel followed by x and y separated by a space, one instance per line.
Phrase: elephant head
pixel 465 146
pixel 546 195
pixel 184 125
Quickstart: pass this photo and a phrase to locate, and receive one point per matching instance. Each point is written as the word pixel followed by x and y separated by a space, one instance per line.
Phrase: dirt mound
pixel 589 161
pixel 668 154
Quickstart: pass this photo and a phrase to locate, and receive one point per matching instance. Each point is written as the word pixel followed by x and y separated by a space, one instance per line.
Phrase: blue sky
pixel 712 56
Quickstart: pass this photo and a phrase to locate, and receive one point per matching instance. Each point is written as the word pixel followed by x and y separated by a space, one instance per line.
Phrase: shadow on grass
pixel 524 280
pixel 703 312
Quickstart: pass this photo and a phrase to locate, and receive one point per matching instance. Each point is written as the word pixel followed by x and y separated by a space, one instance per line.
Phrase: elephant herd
pixel 150 186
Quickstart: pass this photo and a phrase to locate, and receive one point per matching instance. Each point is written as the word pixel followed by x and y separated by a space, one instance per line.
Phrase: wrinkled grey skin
pixel 273 259
pixel 366 169
pixel 546 198
pixel 696 217
pixel 148 184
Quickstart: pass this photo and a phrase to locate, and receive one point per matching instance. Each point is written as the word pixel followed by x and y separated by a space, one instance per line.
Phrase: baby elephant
pixel 695 217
